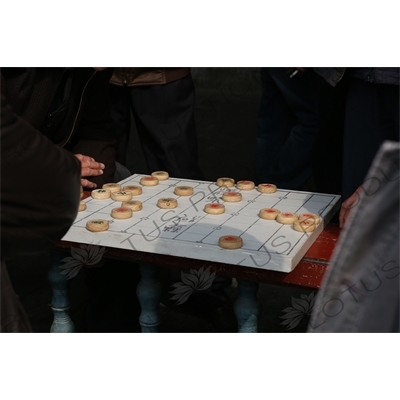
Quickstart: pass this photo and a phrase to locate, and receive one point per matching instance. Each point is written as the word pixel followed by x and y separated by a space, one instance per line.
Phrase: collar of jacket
pixel 331 74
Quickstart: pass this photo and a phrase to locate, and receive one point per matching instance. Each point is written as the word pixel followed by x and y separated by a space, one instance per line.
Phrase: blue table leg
pixel 149 293
pixel 247 307
pixel 60 302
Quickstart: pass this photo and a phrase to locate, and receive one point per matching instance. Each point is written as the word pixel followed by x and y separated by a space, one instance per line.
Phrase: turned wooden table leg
pixel 60 302
pixel 149 293
pixel 247 307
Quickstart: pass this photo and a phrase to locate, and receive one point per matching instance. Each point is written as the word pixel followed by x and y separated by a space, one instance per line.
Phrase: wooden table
pixel 308 273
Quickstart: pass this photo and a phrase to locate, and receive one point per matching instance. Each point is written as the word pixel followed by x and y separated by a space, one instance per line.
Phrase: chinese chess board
pixel 188 231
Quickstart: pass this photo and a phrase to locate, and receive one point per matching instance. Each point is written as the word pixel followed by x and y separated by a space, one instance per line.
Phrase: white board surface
pixel 187 231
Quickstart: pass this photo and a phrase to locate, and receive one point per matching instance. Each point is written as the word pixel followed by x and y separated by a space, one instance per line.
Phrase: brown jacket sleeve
pixel 40 188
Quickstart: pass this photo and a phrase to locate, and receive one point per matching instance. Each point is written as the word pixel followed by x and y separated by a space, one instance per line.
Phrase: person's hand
pixel 348 205
pixel 291 70
pixel 89 167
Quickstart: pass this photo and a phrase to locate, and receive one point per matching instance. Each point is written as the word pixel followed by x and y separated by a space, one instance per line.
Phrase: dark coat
pixel 40 188
pixel 382 75
pixel 40 185
pixel 386 76
pixel 81 123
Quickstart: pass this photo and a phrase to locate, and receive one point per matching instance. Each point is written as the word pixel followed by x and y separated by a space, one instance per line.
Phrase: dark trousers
pixel 287 127
pixel 328 148
pixel 164 117
pixel 372 116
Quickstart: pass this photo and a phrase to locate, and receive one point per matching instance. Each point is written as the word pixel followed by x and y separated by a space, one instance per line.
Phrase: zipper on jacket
pixel 52 114
pixel 79 108
pixel 67 88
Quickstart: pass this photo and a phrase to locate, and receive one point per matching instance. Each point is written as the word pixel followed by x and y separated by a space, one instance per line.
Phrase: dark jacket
pixel 386 76
pixel 135 76
pixel 381 75
pixel 40 187
pixel 69 106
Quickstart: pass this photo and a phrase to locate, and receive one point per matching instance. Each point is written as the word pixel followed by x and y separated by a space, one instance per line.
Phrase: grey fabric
pixel 360 292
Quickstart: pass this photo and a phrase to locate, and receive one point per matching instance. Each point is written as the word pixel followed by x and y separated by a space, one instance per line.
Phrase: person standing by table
pixel 69 107
pixel 162 105
pixel 287 126
pixel 36 176
pixel 371 117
